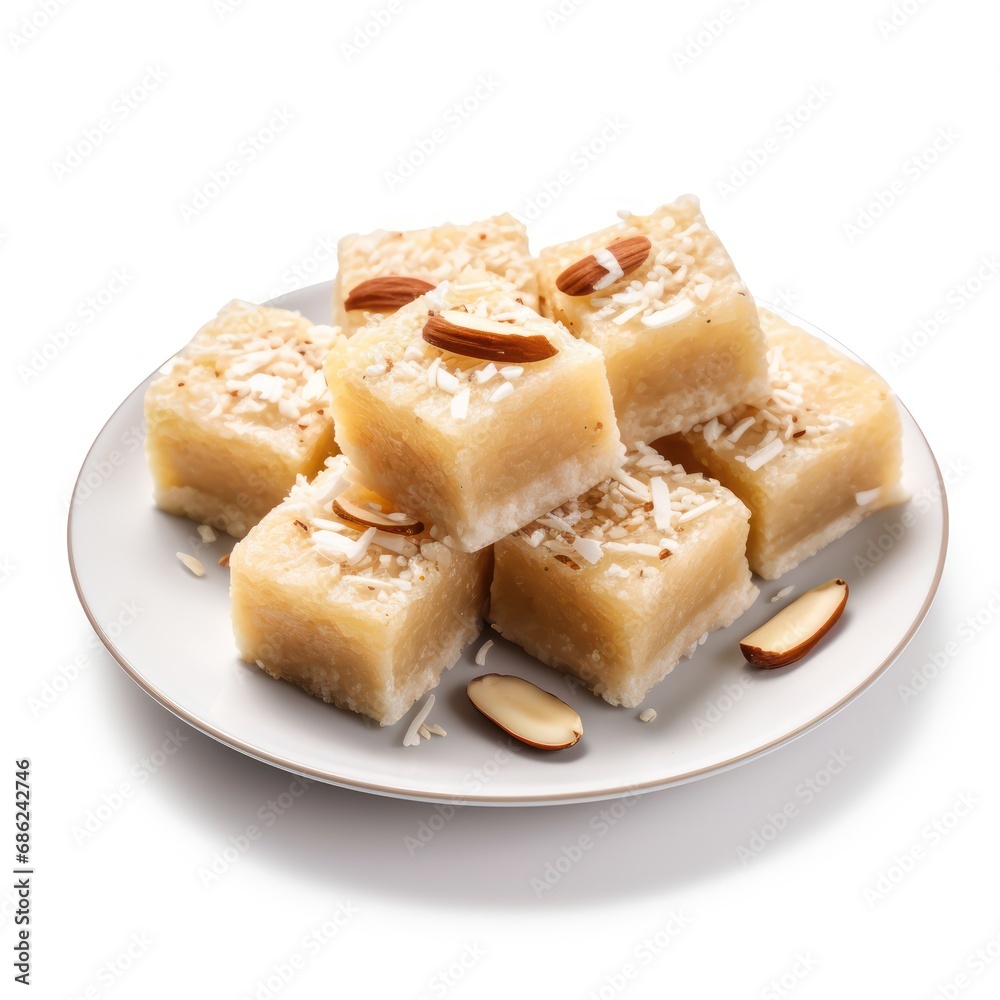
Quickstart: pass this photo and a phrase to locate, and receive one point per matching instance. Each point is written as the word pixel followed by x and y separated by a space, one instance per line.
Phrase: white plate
pixel 714 711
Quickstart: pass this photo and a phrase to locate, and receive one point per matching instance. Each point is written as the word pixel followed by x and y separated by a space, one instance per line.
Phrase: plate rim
pixel 526 799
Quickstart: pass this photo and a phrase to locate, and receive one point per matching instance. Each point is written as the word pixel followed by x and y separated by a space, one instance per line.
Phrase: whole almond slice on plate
pixel 603 267
pixel 485 339
pixel 391 291
pixel 796 629
pixel 528 713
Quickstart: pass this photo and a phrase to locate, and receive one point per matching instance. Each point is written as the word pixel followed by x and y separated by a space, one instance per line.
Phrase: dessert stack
pixel 592 450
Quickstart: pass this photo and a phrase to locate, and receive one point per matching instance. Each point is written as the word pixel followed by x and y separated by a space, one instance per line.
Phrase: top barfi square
pixel 660 297
pixel 471 411
pixel 381 271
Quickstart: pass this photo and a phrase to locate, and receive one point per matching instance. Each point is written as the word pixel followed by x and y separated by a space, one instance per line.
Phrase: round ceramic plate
pixel 713 712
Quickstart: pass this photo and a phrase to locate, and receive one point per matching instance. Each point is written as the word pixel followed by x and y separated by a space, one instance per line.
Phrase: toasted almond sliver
pixel 797 627
pixel 350 511
pixel 528 713
pixel 485 339
pixel 595 271
pixel 391 291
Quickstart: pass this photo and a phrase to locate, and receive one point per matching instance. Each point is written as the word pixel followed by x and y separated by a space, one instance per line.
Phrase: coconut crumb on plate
pixel 194 565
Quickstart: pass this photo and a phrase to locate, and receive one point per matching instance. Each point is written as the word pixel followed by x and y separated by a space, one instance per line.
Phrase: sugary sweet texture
pixel 359 617
pixel 821 455
pixel 238 414
pixel 498 245
pixel 679 334
pixel 617 586
pixel 477 447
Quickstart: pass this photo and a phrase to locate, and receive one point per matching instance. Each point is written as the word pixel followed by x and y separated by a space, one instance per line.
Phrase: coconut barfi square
pixel 381 271
pixel 337 591
pixel 238 414
pixel 472 411
pixel 616 586
pixel 823 453
pixel 660 297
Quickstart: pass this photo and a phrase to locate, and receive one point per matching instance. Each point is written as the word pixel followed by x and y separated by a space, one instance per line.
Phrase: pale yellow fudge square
pixel 238 414
pixel 821 455
pixel 498 245
pixel 478 447
pixel 616 586
pixel 679 333
pixel 360 617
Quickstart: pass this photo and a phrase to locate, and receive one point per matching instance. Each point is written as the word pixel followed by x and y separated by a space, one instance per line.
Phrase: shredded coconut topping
pixel 256 366
pixel 644 511
pixel 761 433
pixel 498 245
pixel 394 354
pixel 375 564
pixel 687 267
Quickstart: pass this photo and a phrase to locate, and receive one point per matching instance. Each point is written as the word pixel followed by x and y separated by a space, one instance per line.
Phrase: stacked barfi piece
pixel 242 411
pixel 492 415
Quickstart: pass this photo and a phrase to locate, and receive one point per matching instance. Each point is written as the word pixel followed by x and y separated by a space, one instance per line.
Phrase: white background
pixel 806 915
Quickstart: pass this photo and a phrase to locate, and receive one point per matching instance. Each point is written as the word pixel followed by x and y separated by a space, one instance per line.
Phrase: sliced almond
pixel 589 274
pixel 391 291
pixel 561 557
pixel 795 629
pixel 485 339
pixel 361 513
pixel 528 713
